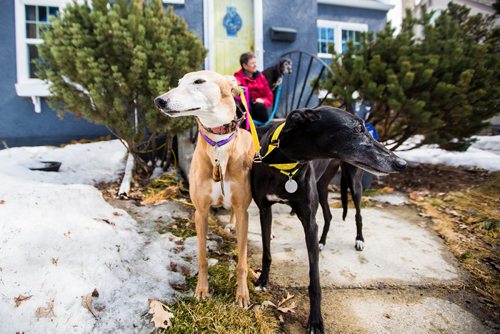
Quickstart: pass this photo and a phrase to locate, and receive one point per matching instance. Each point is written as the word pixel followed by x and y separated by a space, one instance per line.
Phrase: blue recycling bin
pixel 362 109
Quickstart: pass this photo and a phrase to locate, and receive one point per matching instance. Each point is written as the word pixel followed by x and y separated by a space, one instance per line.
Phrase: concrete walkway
pixel 404 281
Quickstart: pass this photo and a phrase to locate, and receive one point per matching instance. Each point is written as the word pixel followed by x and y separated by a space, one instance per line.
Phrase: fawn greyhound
pixel 293 158
pixel 221 164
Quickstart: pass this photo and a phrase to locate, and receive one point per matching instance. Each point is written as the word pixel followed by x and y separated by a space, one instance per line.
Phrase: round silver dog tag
pixel 291 186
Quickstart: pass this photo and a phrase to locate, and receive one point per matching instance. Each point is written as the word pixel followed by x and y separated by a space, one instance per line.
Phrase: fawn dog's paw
pixel 201 290
pixel 242 296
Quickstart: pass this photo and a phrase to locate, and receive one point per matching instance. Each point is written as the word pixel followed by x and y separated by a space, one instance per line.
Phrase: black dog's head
pixel 285 66
pixel 327 132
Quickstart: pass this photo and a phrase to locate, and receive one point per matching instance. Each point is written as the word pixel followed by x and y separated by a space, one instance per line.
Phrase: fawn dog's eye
pixel 199 81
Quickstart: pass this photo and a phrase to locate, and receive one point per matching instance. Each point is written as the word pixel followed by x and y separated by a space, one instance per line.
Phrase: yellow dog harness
pixel 288 169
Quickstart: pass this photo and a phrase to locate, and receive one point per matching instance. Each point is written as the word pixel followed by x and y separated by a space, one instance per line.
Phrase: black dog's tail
pixel 343 195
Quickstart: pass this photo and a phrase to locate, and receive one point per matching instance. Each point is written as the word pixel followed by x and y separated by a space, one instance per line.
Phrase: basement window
pixel 32 16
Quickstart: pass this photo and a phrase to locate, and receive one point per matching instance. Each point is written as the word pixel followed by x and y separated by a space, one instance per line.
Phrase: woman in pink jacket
pixel 261 97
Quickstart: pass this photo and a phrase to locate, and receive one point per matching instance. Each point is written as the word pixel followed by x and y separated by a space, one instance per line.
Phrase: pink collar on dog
pixel 225 128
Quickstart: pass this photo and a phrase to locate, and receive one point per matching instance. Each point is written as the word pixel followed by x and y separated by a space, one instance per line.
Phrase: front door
pixel 233 33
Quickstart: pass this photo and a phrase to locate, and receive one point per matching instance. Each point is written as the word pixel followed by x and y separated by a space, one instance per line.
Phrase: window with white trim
pixel 337 34
pixel 32 16
pixel 37 18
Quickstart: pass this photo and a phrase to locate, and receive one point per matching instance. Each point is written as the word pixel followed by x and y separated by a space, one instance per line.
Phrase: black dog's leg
pixel 354 176
pixel 356 196
pixel 323 183
pixel 266 220
pixel 306 216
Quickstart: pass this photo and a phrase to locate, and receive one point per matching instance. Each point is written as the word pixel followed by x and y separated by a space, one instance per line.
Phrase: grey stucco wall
pixel 19 124
pixel 375 19
pixel 300 15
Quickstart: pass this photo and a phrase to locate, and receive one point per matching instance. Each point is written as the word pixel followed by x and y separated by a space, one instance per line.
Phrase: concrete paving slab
pixel 397 249
pixel 411 311
pixel 428 315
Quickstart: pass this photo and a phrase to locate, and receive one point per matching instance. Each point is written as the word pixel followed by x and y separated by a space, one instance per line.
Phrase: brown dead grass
pixel 469 222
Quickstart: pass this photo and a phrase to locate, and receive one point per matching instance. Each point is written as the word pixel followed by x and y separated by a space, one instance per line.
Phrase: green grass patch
pixel 436 202
pixel 489 225
pixel 219 314
pixel 371 191
pixel 180 227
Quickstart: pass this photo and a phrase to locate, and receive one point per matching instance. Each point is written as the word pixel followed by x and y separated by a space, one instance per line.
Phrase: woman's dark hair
pixel 244 58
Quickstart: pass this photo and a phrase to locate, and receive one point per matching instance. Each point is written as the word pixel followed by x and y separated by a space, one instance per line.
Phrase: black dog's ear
pixel 301 116
pixel 285 60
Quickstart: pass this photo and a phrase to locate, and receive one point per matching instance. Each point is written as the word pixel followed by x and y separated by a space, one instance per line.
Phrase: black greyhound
pixel 351 179
pixel 310 137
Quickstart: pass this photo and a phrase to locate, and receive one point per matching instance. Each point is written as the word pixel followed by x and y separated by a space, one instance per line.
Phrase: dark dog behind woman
pixel 261 97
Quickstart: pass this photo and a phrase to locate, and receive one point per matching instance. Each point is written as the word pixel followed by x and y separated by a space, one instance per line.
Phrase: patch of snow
pixel 489 143
pixel 395 198
pixel 60 240
pixel 482 154
pixel 81 164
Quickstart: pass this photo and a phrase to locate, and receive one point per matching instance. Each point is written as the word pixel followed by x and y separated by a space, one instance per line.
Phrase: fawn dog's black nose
pixel 400 163
pixel 160 102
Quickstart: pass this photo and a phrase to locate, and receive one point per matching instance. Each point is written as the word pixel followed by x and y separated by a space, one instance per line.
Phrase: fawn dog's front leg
pixel 242 294
pixel 201 221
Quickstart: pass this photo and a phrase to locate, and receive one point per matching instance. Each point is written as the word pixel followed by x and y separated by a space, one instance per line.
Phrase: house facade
pixel 228 28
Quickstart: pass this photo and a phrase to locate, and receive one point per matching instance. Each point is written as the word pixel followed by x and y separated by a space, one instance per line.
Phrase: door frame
pixel 209 33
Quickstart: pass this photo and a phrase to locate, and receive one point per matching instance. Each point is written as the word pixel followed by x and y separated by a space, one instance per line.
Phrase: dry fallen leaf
pixel 255 274
pixel 386 190
pixel 87 301
pixel 288 309
pixel 280 307
pixel 46 312
pixel 415 196
pixel 117 214
pixel 67 234
pixel 269 303
pixel 20 299
pixel 55 261
pixel 2 201
pixel 287 298
pixel 161 314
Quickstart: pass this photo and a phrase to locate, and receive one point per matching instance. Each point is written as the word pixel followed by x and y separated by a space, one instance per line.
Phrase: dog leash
pixel 253 131
pixel 275 108
pixel 288 169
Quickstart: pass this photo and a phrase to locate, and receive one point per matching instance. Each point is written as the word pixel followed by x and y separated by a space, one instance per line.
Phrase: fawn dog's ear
pixel 234 85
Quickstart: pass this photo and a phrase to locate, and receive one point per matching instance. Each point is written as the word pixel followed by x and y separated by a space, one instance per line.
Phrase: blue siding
pixel 192 12
pixel 19 124
pixel 298 15
pixel 374 18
